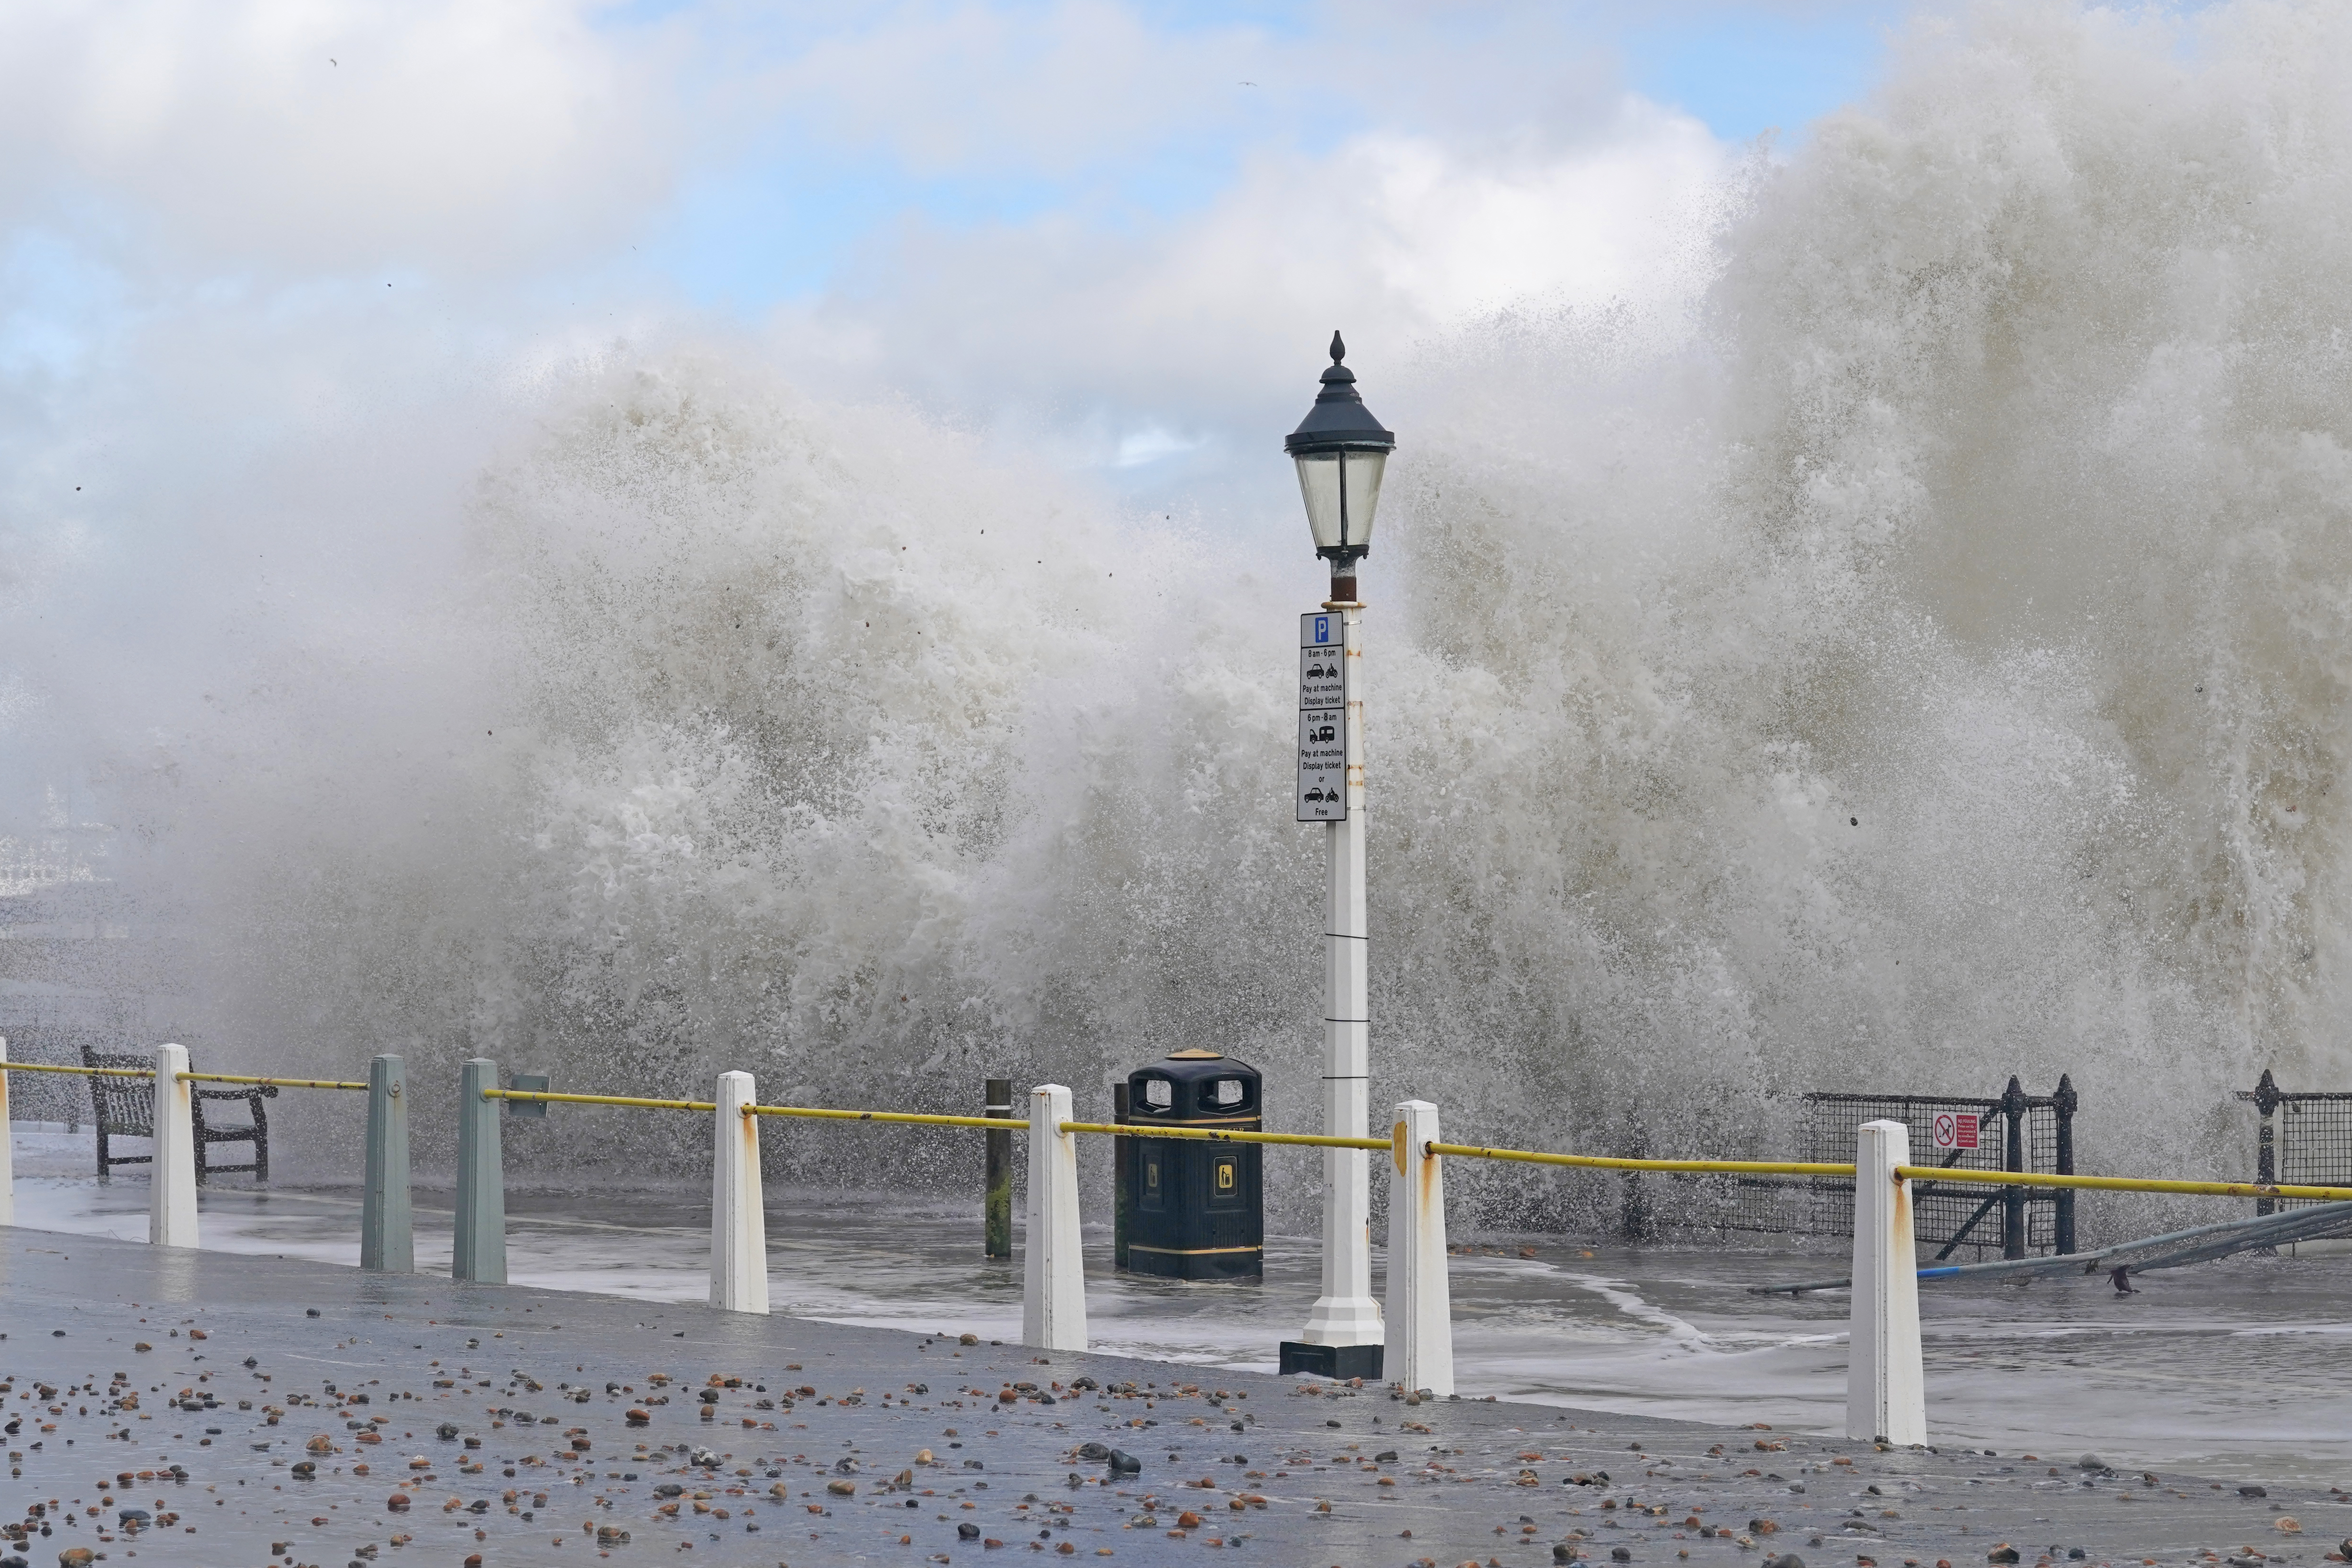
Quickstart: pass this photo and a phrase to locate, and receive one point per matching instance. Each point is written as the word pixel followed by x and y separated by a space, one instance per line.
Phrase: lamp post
pixel 1340 450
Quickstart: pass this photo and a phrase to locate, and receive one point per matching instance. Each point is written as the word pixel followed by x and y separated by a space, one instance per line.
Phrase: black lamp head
pixel 1339 420
pixel 1340 450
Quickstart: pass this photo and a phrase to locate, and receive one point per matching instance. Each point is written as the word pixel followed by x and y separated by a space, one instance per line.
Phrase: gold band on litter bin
pixel 1189 1251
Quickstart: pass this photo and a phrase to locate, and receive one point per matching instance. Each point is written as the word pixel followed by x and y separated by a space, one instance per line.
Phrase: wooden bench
pixel 125 1108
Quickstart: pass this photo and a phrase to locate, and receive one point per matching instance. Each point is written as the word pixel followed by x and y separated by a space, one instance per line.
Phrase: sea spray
pixel 1908 652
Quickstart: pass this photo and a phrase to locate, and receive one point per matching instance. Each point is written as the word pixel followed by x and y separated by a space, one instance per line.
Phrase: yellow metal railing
pixel 915 1118
pixel 1315 1140
pixel 1219 1135
pixel 543 1097
pixel 1603 1162
pixel 918 1118
pixel 2123 1183
pixel 183 1078
pixel 271 1083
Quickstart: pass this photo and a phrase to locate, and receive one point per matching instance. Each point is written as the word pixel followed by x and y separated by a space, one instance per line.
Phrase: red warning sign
pixel 1956 1129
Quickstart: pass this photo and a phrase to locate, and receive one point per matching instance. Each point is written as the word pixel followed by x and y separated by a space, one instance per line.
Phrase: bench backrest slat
pixel 127 1105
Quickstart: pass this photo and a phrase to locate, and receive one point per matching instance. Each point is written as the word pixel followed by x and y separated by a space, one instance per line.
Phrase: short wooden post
pixel 7 1148
pixel 1633 1220
pixel 387 1235
pixel 172 1190
pixel 1054 1281
pixel 996 1195
pixel 1885 1386
pixel 1418 1355
pixel 738 1218
pixel 1122 1175
pixel 480 1249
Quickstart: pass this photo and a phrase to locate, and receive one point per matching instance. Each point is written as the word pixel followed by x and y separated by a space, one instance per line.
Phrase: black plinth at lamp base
pixel 1337 1362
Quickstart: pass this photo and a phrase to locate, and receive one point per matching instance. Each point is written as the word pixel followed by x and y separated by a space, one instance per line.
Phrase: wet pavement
pixel 583 1426
pixel 2235 1370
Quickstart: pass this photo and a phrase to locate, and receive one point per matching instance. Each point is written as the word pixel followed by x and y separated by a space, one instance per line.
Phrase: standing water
pixel 2230 1370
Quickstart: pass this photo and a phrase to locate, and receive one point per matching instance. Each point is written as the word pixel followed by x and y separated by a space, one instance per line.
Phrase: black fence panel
pixel 2305 1139
pixel 2013 1130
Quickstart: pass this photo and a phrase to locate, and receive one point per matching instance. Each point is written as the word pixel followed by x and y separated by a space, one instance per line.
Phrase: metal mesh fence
pixel 2304 1139
pixel 2315 1141
pixel 2013 1130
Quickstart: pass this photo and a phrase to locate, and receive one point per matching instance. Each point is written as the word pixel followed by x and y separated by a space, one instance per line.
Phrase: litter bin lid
pixel 1195 1085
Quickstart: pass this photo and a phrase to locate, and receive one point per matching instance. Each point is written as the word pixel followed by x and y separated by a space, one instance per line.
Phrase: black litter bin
pixel 1194 1208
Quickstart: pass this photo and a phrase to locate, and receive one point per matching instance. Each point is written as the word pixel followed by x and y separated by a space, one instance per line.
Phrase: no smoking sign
pixel 1955 1128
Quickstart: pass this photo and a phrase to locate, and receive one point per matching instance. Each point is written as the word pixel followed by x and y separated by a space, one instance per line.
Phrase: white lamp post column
pixel 1340 451
pixel 1345 1314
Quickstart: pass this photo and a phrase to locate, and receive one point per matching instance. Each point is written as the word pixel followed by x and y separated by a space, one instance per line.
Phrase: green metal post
pixel 998 1201
pixel 480 1252
pixel 387 1242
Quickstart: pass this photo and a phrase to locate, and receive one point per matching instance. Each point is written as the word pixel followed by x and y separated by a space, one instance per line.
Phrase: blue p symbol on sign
pixel 1322 629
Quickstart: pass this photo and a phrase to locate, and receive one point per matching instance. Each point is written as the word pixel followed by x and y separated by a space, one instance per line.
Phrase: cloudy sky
pixel 278 277
pixel 1118 229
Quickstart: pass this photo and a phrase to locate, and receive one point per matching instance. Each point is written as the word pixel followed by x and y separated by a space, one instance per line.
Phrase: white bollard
pixel 1053 1269
pixel 172 1186
pixel 7 1150
pixel 1419 1357
pixel 738 1221
pixel 1885 1387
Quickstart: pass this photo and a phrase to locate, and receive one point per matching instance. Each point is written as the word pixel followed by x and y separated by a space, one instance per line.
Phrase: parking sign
pixel 1322 716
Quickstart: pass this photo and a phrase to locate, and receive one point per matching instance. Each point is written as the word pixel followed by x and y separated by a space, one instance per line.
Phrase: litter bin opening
pixel 1186 1088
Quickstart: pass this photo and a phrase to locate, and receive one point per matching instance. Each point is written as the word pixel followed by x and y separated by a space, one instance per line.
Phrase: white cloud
pixel 1606 220
pixel 973 87
pixel 211 209
pixel 1089 86
pixel 287 136
pixel 1150 445
pixel 1215 321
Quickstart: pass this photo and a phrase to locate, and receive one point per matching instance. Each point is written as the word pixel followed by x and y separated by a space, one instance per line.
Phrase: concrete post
pixel 8 1150
pixel 1053 1274
pixel 1420 1355
pixel 1345 1314
pixel 738 1218
pixel 387 1239
pixel 172 1191
pixel 479 1253
pixel 1885 1387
